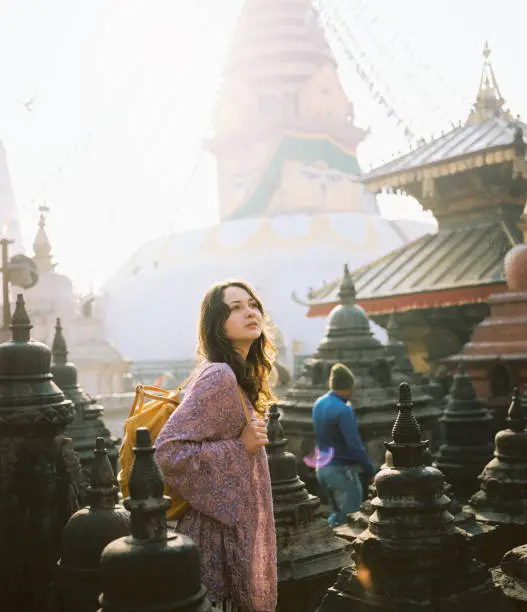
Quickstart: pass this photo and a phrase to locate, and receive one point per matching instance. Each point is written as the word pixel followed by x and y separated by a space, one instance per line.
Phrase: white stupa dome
pixel 152 303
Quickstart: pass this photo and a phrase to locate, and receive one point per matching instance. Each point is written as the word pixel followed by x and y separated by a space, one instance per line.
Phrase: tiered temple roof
pixel 269 33
pixel 474 180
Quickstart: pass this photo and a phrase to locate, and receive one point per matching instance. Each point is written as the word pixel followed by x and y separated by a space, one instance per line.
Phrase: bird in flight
pixel 28 104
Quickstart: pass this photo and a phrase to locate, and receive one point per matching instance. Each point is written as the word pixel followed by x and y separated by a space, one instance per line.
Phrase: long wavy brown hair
pixel 252 373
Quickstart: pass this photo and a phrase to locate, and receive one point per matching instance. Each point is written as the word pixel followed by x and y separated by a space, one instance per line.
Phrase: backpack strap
pixel 155 393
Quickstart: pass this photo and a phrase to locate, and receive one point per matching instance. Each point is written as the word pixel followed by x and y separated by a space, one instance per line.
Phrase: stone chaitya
pixel 358 521
pixel 465 437
pixel 309 553
pixel 87 424
pixel 39 470
pixel 155 568
pixel 500 506
pixel 511 577
pixel 411 556
pixel 349 340
pixel 86 534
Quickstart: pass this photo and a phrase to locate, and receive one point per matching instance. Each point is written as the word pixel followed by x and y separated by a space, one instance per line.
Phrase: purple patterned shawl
pixel 229 491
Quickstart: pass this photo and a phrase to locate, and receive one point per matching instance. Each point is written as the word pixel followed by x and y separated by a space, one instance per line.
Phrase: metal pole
pixel 6 308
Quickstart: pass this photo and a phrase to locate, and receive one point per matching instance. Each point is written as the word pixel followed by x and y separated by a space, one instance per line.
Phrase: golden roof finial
pixel 42 245
pixel 489 102
pixel 43 210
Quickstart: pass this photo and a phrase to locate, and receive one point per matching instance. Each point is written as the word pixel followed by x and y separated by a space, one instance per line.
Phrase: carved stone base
pixel 490 541
pixel 511 577
pixel 352 592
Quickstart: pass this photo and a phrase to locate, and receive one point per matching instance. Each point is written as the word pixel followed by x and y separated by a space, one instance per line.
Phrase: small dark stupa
pixel 86 534
pixel 87 424
pixel 309 553
pixel 511 577
pixel 154 568
pixel 465 434
pixel 358 521
pixel 500 506
pixel 411 557
pixel 39 471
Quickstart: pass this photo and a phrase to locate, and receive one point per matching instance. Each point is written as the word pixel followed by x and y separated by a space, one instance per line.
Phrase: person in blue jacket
pixel 337 435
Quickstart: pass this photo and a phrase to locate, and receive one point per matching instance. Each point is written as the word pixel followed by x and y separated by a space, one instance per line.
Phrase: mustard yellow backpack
pixel 152 415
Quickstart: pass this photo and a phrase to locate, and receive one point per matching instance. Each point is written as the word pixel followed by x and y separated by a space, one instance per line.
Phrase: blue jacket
pixel 336 427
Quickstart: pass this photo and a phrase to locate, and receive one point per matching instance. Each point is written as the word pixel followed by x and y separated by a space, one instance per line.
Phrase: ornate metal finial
pixel 347 292
pixel 43 210
pixel 516 416
pixel 20 323
pixel 103 490
pixel 146 483
pixel 59 349
pixel 275 433
pixel 42 245
pixel 145 479
pixel 489 101
pixel 407 446
pixel 406 429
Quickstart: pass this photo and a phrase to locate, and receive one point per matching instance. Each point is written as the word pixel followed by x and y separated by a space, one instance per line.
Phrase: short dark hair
pixel 341 378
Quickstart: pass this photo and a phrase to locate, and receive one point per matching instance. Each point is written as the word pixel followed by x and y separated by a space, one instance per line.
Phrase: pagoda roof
pixel 461 260
pixel 489 136
pixel 464 147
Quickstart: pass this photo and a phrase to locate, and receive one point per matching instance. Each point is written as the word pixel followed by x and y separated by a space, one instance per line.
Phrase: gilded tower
pixel 284 133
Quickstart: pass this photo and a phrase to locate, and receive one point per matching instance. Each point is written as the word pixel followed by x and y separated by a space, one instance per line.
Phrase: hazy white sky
pixel 123 92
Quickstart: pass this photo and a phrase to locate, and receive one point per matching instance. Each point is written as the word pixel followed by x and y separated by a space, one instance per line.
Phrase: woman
pixel 212 451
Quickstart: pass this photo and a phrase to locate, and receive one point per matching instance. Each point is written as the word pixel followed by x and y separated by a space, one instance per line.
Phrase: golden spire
pixel 268 34
pixel 489 102
pixel 42 245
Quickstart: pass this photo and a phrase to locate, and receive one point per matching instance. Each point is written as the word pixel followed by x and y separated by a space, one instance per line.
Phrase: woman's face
pixel 244 324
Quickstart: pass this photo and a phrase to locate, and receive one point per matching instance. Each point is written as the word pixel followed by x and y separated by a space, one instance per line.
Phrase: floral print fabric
pixel 229 491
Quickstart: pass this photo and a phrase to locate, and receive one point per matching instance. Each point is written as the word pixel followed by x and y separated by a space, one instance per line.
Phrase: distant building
pixel 100 365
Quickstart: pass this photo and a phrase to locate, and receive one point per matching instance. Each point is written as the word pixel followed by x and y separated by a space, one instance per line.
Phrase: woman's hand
pixel 254 435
